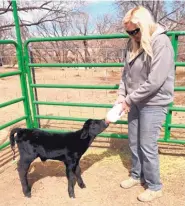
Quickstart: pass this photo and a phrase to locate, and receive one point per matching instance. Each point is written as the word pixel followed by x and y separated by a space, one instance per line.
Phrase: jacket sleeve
pixel 160 67
pixel 122 90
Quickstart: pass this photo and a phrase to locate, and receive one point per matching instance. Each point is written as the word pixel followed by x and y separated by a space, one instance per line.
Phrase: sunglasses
pixel 133 32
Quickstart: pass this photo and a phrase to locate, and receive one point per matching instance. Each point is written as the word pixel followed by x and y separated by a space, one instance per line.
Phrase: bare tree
pixel 59 18
pixel 45 11
pixel 39 18
pixel 166 13
pixel 80 25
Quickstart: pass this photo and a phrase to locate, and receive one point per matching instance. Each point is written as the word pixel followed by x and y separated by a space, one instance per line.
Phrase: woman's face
pixel 133 31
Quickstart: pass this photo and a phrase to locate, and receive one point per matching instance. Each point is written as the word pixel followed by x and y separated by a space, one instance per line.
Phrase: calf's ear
pixel 84 134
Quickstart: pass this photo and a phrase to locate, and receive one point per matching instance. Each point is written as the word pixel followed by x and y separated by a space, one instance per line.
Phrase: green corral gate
pixel 30 102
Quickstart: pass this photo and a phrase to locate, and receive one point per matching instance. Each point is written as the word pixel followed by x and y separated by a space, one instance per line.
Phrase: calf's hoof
pixel 27 193
pixel 72 195
pixel 82 185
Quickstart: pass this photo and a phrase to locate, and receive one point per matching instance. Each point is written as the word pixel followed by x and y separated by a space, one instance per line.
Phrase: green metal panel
pixel 25 74
pixel 22 74
pixel 4 104
pixel 169 114
pixel 167 124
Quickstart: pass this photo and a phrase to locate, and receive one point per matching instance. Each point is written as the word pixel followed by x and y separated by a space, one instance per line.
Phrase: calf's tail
pixel 12 140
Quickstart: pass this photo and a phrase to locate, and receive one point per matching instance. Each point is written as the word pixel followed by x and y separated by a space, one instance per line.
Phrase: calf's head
pixel 93 127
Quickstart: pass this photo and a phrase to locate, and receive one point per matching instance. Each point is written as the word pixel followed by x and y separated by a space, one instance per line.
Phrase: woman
pixel 145 91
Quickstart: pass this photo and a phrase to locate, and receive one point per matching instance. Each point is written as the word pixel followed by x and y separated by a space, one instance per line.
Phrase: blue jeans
pixel 144 125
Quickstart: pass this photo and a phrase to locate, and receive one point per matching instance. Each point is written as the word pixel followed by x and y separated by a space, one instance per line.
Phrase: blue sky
pixel 99 8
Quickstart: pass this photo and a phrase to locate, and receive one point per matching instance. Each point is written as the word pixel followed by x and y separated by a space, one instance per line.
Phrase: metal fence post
pixel 34 82
pixel 21 67
pixel 31 90
pixel 169 114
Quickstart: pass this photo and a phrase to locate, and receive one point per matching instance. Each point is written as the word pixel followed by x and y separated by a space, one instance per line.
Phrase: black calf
pixel 66 147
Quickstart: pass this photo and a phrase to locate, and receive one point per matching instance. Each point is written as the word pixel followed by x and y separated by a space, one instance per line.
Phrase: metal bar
pixel 34 82
pixel 172 141
pixel 12 122
pixel 111 135
pixel 60 118
pixel 74 65
pixel 178 33
pixel 8 41
pixel 177 109
pixel 19 54
pixel 8 74
pixel 72 104
pixel 4 145
pixel 106 135
pixel 77 65
pixel 91 37
pixel 75 119
pixel 76 38
pixel 119 136
pixel 180 109
pixel 71 118
pixel 180 64
pixel 179 89
pixel 71 86
pixel 11 102
pixel 180 126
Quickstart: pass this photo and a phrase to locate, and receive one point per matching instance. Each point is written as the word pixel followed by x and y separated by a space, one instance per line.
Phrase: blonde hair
pixel 144 20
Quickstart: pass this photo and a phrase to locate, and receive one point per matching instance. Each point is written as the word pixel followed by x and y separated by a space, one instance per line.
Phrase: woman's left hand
pixel 126 107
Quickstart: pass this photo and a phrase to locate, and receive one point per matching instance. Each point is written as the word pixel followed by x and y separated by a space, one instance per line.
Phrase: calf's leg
pixel 71 179
pixel 77 172
pixel 23 167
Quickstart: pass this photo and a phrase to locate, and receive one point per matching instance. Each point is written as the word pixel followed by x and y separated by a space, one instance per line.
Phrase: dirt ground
pixel 104 165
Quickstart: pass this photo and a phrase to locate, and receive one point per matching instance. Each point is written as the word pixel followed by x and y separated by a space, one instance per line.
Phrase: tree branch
pixel 177 22
pixel 6 10
pixel 169 14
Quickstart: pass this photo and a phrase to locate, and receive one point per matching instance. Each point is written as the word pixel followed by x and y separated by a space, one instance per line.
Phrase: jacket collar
pixel 160 30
